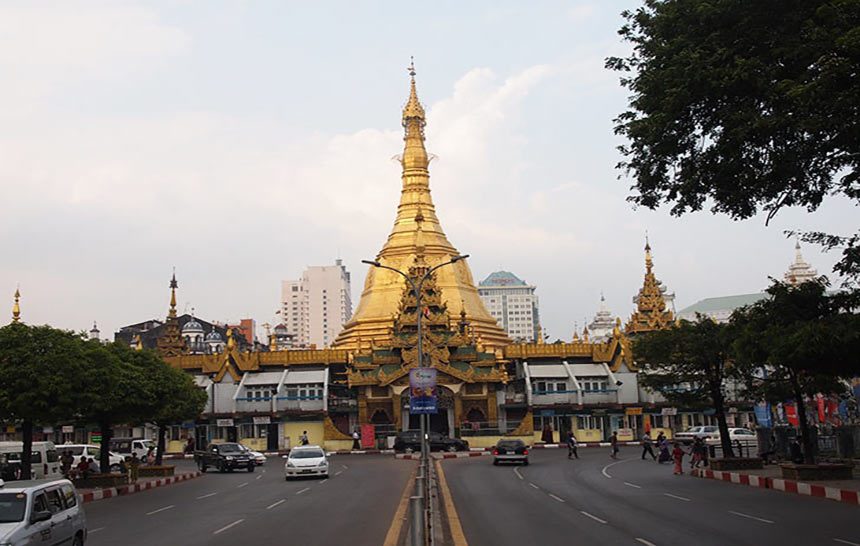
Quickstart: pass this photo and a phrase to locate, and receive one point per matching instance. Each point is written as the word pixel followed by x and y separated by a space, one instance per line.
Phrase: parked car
pixel 259 458
pixel 744 436
pixel 511 451
pixel 410 441
pixel 225 457
pixel 90 452
pixel 306 461
pixel 704 432
pixel 41 511
pixel 126 446
pixel 44 461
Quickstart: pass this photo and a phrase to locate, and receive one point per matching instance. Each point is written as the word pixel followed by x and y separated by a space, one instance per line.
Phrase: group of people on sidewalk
pixel 86 467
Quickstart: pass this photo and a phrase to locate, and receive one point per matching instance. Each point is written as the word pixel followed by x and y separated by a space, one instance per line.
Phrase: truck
pixel 225 457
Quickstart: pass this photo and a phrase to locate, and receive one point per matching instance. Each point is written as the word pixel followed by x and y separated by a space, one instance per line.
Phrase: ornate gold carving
pixel 526 426
pixel 651 313
pixel 330 432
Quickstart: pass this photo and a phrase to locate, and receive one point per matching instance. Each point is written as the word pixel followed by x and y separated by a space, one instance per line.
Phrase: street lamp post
pixel 424 419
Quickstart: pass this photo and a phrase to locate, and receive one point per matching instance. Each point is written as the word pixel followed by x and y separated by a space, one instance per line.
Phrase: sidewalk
pixel 144 484
pixel 769 478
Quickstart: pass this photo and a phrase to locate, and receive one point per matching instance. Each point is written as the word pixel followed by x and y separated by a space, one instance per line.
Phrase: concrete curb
pixel 460 455
pixel 849 496
pixel 583 444
pixel 99 494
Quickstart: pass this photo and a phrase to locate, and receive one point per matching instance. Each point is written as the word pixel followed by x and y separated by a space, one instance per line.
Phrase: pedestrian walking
pixel 133 468
pixel 571 446
pixel 303 439
pixel 647 447
pixel 696 452
pixel 66 463
pixel 678 457
pixel 355 440
pixel 614 443
pixel 665 456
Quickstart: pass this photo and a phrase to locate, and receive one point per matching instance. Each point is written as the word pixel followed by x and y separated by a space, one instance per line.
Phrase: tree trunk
pixel 104 456
pixel 27 450
pixel 720 412
pixel 159 453
pixel 805 438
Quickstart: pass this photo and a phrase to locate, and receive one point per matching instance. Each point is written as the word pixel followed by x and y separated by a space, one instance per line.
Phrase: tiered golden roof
pixel 416 231
pixel 651 313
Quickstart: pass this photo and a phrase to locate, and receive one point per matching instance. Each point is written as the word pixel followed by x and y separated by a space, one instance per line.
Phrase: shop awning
pixel 263 378
pixel 547 370
pixel 296 377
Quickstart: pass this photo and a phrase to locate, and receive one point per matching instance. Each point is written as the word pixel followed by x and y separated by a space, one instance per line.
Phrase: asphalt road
pixel 355 505
pixel 598 500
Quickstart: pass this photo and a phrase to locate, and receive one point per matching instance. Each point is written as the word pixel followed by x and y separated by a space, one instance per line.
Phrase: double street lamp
pixel 424 419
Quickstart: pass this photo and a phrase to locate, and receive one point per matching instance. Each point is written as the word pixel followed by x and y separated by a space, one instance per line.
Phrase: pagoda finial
pixel 173 286
pixel 16 307
pixel 649 264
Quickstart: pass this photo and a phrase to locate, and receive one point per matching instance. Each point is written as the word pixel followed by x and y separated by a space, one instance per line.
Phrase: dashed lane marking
pixel 222 529
pixel 207 495
pixel 160 510
pixel 303 490
pixel 282 501
pixel 517 472
pixel 645 542
pixel 533 485
pixel 839 540
pixel 592 516
pixel 685 499
pixel 259 477
pixel 344 467
pixel 241 485
pixel 628 484
pixel 338 473
pixel 325 480
pixel 97 529
pixel 559 499
pixel 741 514
pixel 610 465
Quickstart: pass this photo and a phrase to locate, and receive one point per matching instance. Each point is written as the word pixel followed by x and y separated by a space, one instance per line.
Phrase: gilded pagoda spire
pixel 416 240
pixel 16 307
pixel 170 343
pixel 651 312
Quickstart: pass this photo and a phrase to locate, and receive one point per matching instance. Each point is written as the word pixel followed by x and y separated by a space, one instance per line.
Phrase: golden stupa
pixel 416 232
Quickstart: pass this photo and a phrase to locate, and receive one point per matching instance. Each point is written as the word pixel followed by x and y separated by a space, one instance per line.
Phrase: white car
pixel 703 432
pixel 90 452
pixel 744 436
pixel 41 511
pixel 259 458
pixel 306 461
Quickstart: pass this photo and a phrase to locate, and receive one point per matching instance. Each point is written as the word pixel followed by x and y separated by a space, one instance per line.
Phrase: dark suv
pixel 410 441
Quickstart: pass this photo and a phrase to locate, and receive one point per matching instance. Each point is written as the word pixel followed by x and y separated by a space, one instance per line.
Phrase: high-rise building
pixel 513 304
pixel 315 307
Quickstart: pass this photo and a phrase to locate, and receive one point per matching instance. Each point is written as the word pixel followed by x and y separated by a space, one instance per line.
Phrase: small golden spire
pixel 16 307
pixel 649 264
pixel 171 313
pixel 413 108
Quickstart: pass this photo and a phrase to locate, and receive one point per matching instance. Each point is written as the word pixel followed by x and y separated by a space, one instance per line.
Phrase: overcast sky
pixel 242 141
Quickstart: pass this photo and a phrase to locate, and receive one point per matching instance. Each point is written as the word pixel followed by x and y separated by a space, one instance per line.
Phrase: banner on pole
pixel 422 390
pixel 762 415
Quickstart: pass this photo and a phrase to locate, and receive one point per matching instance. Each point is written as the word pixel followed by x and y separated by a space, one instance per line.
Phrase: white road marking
pixel 303 490
pixel 222 529
pixel 282 501
pixel 835 540
pixel 338 473
pixel 97 529
pixel 595 518
pixel 628 484
pixel 741 514
pixel 160 510
pixel 533 485
pixel 207 496
pixel 610 465
pixel 559 499
pixel 645 542
pixel 344 467
pixel 517 472
pixel 241 485
pixel 259 477
pixel 677 497
pixel 325 480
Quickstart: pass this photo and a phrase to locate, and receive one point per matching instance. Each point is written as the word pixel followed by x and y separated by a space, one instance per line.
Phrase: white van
pixel 89 451
pixel 127 446
pixel 38 511
pixel 45 461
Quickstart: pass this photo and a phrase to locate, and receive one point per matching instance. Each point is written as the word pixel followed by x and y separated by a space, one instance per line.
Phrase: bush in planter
pixel 791 471
pixel 156 471
pixel 737 463
pixel 101 481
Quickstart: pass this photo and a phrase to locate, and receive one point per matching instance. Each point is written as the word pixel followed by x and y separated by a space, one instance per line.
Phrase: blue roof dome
pixel 192 327
pixel 214 336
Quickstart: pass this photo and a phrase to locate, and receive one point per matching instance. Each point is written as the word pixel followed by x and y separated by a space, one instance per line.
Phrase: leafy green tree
pixel 744 107
pixel 798 342
pixel 689 364
pixel 40 372
pixel 179 399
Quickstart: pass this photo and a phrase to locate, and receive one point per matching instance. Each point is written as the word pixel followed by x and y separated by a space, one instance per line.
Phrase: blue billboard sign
pixel 422 390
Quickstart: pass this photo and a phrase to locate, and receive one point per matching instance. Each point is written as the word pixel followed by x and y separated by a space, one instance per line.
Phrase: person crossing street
pixel 571 446
pixel 647 447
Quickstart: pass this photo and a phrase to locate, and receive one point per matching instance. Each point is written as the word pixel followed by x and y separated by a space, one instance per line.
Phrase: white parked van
pixel 90 451
pixel 41 512
pixel 45 461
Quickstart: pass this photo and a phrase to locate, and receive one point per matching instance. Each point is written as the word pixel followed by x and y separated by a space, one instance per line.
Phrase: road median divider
pixel 90 495
pixel 849 496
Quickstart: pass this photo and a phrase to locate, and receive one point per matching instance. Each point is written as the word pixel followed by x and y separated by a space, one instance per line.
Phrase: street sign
pixel 96 438
pixel 669 411
pixel 224 422
pixel 422 390
pixel 633 411
pixel 68 429
pixel 264 420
